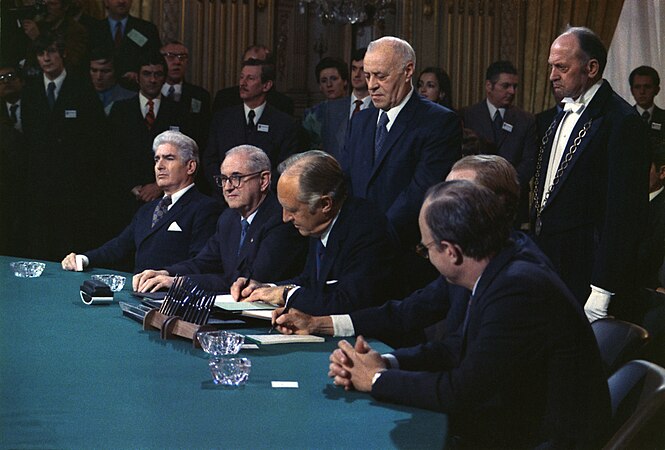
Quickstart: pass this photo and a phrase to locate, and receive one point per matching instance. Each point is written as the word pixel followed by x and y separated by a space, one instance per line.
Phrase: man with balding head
pixel 590 203
pixel 395 152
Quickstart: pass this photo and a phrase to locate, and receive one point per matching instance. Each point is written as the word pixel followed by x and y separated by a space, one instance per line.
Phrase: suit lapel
pixel 591 113
pixel 169 217
pixel 366 150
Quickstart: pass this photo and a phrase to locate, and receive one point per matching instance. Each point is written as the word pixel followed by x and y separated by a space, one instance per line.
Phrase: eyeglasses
pixel 7 77
pixel 220 180
pixel 180 56
pixel 423 249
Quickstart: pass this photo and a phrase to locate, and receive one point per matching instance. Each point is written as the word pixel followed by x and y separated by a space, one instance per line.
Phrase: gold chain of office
pixel 562 166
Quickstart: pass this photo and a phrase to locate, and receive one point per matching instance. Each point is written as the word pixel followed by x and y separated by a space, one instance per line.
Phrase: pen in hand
pixel 287 304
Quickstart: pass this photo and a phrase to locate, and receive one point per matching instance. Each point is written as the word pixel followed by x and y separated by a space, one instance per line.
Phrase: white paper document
pixel 227 303
pixel 268 339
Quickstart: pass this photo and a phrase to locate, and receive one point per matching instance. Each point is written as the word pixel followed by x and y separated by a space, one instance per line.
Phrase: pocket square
pixel 332 281
pixel 174 227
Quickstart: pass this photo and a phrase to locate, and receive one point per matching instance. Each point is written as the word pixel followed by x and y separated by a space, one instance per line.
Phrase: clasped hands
pixel 354 367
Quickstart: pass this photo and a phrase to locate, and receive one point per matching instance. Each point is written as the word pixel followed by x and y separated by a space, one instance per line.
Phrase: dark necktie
pixel 244 225
pixel 150 115
pixel 250 119
pixel 381 135
pixel 171 93
pixel 497 124
pixel 320 252
pixel 160 210
pixel 12 112
pixel 646 116
pixel 358 104
pixel 50 94
pixel 117 39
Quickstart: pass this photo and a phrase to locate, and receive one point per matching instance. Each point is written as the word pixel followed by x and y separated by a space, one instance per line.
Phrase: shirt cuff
pixel 342 325
pixel 601 290
pixel 291 292
pixel 390 359
pixel 85 262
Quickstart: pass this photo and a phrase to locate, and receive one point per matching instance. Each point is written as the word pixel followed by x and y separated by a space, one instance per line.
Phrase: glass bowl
pixel 230 371
pixel 27 269
pixel 115 282
pixel 219 343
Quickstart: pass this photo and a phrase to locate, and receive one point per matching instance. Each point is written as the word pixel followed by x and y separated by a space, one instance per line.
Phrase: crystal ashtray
pixel 27 269
pixel 219 343
pixel 115 282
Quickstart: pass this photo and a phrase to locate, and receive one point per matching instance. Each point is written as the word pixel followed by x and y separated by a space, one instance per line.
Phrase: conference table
pixel 85 376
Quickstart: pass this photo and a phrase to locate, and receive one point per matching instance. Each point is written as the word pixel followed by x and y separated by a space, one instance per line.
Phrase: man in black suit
pixel 168 229
pixel 645 85
pixel 11 88
pixel 511 130
pixel 255 122
pixel 590 202
pixel 193 100
pixel 64 127
pixel 395 152
pixel 134 124
pixel 351 255
pixel 230 96
pixel 128 35
pixel 251 237
pixel 523 369
pixel 405 322
pixel 103 77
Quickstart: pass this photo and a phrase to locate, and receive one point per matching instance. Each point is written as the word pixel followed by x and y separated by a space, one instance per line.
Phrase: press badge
pixel 137 37
pixel 262 127
pixel 196 105
pixel 507 127
pixel 70 114
pixel 656 126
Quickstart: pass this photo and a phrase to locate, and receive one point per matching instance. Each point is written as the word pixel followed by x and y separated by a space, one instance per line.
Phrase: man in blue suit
pixel 419 316
pixel 351 257
pixel 251 238
pixel 523 369
pixel 395 152
pixel 255 122
pixel 165 230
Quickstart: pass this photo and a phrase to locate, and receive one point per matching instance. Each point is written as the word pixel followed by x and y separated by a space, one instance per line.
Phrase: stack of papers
pixel 228 303
pixel 268 339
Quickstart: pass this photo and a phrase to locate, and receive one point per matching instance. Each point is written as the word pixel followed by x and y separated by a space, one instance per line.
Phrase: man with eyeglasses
pixel 350 264
pixel 11 88
pixel 251 238
pixel 255 122
pixel 168 229
pixel 193 100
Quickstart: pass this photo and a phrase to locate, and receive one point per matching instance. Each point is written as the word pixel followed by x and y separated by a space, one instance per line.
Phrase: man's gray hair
pixel 257 160
pixel 318 174
pixel 187 147
pixel 402 49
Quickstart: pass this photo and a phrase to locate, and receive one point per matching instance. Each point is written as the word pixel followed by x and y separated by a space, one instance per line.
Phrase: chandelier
pixel 349 11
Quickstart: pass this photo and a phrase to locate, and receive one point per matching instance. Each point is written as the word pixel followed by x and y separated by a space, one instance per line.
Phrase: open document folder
pixel 227 303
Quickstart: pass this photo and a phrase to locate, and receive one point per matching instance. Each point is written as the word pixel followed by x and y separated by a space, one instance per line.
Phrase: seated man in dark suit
pixel 230 96
pixel 128 35
pixel 645 85
pixel 405 322
pixel 194 100
pixel 395 152
pixel 255 122
pixel 134 124
pixel 251 237
pixel 351 255
pixel 512 130
pixel 167 230
pixel 523 369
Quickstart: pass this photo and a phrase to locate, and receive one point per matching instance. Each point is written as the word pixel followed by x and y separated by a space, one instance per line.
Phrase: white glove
pixel 596 305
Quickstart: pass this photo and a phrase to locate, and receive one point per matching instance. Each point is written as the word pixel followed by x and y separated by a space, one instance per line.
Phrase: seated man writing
pixel 169 229
pixel 523 369
pixel 250 238
pixel 351 253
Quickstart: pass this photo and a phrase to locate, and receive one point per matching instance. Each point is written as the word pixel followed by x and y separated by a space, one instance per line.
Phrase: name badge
pixel 196 105
pixel 656 126
pixel 262 127
pixel 174 128
pixel 138 38
pixel 507 127
pixel 70 114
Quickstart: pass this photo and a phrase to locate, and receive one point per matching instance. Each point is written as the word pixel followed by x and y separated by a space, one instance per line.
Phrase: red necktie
pixel 356 110
pixel 150 115
pixel 117 39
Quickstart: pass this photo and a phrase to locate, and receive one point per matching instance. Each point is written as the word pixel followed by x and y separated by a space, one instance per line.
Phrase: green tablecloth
pixel 77 376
